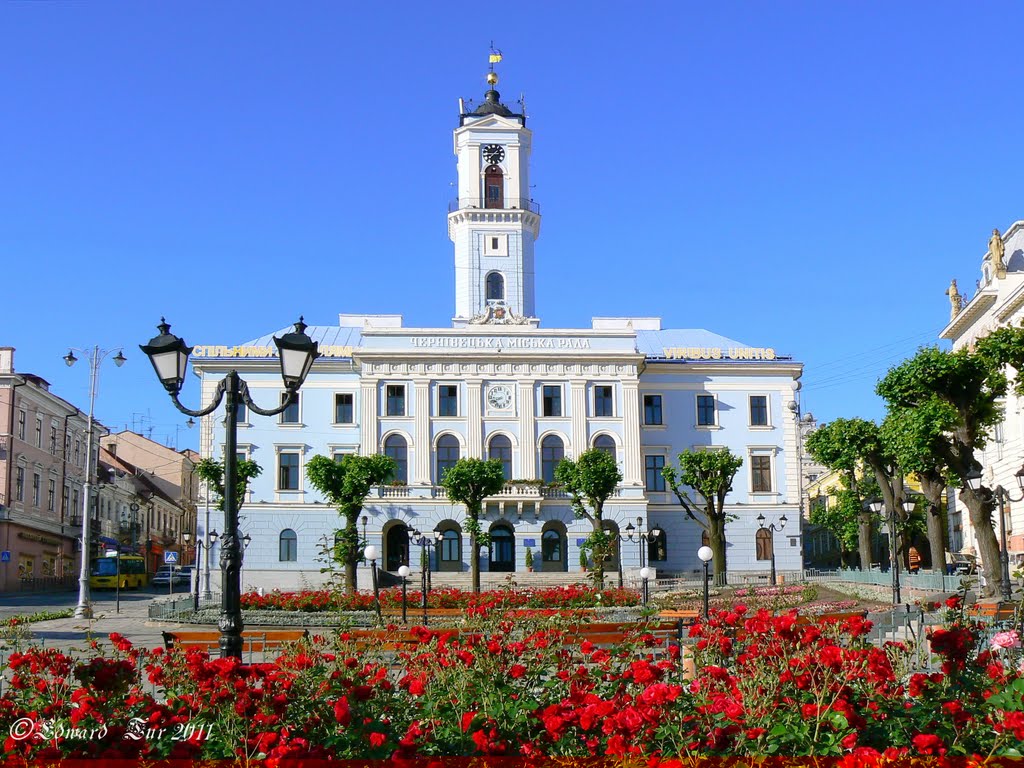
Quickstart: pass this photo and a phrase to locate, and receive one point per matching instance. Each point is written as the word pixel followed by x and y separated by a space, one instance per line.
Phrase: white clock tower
pixel 494 223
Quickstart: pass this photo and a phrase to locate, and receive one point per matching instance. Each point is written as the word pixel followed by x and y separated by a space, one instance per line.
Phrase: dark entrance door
pixel 552 551
pixel 503 549
pixel 397 547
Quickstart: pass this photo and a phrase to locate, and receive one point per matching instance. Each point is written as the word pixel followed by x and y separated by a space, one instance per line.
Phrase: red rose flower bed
pixel 765 685
pixel 479 604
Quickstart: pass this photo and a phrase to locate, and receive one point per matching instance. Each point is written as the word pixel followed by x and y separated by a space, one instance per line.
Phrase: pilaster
pixel 527 430
pixel 369 439
pixel 578 403
pixel 474 419
pixel 421 432
pixel 632 468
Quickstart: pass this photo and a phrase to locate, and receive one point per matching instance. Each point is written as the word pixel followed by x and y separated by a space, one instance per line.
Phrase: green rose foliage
pixel 212 473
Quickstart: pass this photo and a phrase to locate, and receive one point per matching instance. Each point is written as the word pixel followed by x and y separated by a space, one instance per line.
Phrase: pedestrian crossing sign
pixel 170 558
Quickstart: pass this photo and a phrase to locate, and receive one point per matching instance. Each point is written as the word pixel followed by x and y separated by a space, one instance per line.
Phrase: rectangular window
pixel 242 412
pixel 39 433
pixel 37 481
pixel 705 410
pixel 74 503
pixel 552 400
pixel 494 243
pixel 78 453
pixel 652 410
pixel 761 474
pixel 51 496
pixel 337 455
pixel 288 471
pixel 448 400
pixel 652 468
pixel 759 410
pixel 19 484
pixel 603 403
pixel 395 400
pixel 64 500
pixel 53 440
pixel 67 446
pixel 21 425
pixel 344 408
pixel 290 415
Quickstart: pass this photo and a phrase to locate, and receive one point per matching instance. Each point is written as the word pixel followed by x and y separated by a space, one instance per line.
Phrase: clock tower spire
pixel 493 223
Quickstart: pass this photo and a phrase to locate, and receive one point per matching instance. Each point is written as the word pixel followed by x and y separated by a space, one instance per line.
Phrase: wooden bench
pixel 993 613
pixel 253 640
pixel 616 633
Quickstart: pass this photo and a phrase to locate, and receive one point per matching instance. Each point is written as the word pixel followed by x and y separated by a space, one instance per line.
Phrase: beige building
pixel 167 490
pixel 42 473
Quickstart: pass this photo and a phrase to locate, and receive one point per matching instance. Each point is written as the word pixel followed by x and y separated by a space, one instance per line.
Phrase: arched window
pixel 763 544
pixel 605 443
pixel 500 448
pixel 657 547
pixel 494 187
pixel 705 540
pixel 611 562
pixel 451 547
pixel 551 546
pixel 396 547
pixel 447 454
pixel 288 546
pixel 395 447
pixel 552 451
pixel 495 286
pixel 503 548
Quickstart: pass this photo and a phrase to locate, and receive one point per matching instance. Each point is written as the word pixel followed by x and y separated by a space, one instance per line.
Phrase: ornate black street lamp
pixel 644 540
pixel 169 356
pixel 773 528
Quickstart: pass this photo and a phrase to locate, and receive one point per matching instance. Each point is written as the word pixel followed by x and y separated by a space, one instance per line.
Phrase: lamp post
pixel 1002 497
pixel 403 572
pixel 772 527
pixel 169 355
pixel 705 554
pixel 645 574
pixel 876 507
pixel 95 356
pixel 643 540
pixel 371 554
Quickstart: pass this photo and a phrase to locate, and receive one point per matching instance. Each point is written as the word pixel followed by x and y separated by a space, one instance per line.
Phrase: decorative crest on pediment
pixel 498 313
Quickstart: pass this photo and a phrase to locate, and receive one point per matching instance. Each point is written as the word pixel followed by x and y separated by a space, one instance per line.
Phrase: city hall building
pixel 497 384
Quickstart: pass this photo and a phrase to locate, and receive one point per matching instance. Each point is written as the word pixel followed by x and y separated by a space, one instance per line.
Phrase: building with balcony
pixel 496 384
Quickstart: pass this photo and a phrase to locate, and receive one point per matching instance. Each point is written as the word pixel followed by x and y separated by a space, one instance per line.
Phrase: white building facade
pixel 998 301
pixel 498 385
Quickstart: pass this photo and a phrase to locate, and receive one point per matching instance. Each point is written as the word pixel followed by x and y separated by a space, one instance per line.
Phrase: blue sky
pixel 805 176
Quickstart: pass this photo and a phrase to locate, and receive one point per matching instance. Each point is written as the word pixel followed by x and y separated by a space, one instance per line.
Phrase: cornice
pixel 975 309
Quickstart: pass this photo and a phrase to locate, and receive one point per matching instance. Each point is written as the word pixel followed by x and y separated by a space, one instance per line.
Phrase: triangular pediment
pixel 491 122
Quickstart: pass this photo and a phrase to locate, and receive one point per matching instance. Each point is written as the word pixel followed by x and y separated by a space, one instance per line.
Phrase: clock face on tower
pixel 493 153
pixel 499 397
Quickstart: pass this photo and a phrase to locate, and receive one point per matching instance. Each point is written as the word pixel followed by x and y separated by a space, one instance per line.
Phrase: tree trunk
pixel 474 562
pixel 933 493
pixel 864 540
pixel 352 558
pixel 716 540
pixel 980 505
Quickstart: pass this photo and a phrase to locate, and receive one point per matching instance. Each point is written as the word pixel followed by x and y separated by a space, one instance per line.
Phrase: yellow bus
pixel 126 571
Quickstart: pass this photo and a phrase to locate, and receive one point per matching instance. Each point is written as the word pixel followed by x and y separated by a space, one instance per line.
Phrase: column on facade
pixel 578 399
pixel 474 419
pixel 369 440
pixel 632 468
pixel 527 431
pixel 421 432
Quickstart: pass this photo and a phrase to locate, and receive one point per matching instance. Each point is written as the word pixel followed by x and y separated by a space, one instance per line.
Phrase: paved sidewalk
pixel 132 622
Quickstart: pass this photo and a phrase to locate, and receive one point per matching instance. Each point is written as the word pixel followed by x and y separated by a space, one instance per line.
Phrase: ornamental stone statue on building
pixel 956 301
pixel 998 250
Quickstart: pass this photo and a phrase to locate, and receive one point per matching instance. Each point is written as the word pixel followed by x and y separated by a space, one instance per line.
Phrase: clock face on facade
pixel 493 153
pixel 499 397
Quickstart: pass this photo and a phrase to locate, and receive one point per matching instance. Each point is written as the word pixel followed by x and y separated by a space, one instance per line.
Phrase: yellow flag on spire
pixel 495 57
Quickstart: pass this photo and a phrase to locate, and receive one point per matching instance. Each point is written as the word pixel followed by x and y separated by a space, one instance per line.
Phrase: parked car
pixel 176 574
pixel 962 564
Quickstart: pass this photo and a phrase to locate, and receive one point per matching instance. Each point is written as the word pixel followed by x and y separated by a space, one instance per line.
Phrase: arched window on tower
pixel 494 187
pixel 495 286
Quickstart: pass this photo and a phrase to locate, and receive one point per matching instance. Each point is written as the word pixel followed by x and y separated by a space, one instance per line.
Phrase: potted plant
pixel 583 560
pixel 529 560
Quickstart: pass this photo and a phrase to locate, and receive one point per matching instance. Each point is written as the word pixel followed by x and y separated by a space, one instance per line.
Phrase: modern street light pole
pixel 95 356
pixel 371 554
pixel 773 528
pixel 169 355
pixel 403 572
pixel 705 554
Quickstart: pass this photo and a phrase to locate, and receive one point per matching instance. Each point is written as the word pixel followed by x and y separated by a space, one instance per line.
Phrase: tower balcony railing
pixel 510 204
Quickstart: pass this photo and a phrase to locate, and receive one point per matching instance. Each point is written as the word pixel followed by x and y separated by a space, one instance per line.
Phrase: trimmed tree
pixel 957 398
pixel 590 481
pixel 469 482
pixel 345 484
pixel 845 445
pixel 710 475
pixel 212 473
pixel 840 518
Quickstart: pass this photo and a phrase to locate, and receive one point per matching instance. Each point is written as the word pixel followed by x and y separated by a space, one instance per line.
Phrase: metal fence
pixel 181 607
pixel 924 581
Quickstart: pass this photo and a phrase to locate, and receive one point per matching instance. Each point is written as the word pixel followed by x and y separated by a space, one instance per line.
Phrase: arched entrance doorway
pixel 449 547
pixel 553 547
pixel 611 562
pixel 503 548
pixel 396 546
